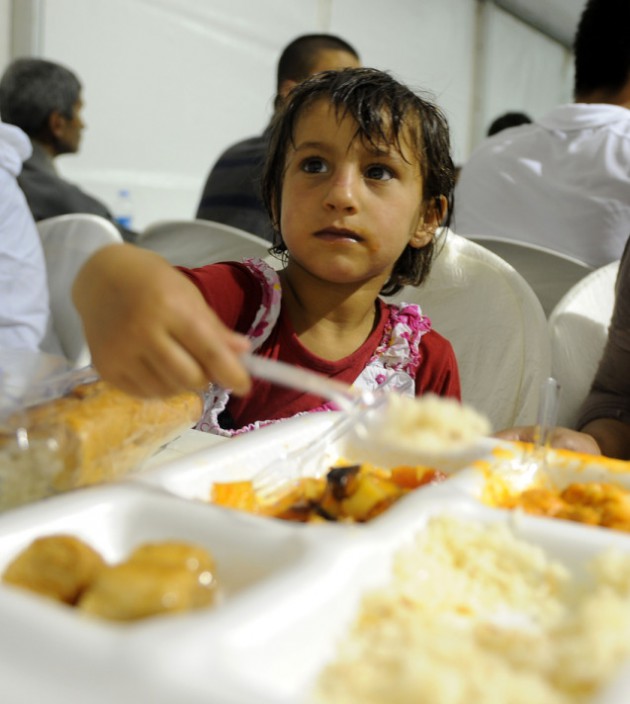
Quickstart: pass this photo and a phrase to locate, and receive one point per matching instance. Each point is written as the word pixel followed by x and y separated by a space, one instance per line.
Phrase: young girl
pixel 357 181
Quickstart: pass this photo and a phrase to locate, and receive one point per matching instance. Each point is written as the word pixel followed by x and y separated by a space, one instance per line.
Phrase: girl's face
pixel 349 209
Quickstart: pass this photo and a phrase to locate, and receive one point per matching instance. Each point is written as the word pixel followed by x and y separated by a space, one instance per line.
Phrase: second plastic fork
pixel 274 480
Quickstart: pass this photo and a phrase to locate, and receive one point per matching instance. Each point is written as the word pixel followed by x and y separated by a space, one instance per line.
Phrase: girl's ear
pixel 429 222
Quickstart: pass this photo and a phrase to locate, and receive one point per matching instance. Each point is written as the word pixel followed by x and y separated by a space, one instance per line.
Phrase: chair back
pixel 578 328
pixel 550 273
pixel 193 243
pixel 68 241
pixel 496 325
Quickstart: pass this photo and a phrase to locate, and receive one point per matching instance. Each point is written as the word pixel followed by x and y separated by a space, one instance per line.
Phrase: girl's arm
pixel 149 329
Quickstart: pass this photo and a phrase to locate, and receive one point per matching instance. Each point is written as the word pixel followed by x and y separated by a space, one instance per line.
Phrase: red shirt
pixel 234 293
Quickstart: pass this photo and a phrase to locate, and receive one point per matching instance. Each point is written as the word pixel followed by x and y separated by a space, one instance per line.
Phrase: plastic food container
pixel 581 488
pixel 61 429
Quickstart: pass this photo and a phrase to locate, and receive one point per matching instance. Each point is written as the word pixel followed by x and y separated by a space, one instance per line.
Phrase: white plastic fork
pixel 276 478
pixel 345 396
pixel 533 460
pixel 545 422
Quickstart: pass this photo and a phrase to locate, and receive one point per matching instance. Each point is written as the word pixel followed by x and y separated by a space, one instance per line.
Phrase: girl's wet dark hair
pixel 384 110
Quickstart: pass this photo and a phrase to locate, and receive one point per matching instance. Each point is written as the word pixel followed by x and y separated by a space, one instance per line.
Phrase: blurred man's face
pixel 70 129
pixel 327 60
pixel 334 60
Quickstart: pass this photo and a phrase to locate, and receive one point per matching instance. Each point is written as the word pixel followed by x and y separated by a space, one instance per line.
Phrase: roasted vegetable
pixel 350 492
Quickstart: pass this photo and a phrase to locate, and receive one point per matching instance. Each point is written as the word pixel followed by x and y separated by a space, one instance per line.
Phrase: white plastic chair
pixel 578 328
pixel 496 325
pixel 550 273
pixel 194 243
pixel 68 241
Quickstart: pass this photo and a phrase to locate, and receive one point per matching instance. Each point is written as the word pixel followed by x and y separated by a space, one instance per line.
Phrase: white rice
pixel 431 422
pixel 475 616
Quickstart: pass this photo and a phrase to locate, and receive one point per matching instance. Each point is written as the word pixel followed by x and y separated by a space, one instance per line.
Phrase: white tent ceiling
pixel 556 18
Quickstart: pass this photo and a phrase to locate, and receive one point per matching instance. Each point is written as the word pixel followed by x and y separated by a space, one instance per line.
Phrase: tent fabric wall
pixel 169 83
pixel 5 32
pixel 514 63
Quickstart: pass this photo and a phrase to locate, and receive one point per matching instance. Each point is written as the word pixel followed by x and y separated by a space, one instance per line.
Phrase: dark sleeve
pixel 49 195
pixel 231 194
pixel 609 396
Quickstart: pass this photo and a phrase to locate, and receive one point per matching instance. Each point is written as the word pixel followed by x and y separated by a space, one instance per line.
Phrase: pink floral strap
pixel 216 397
pixel 400 346
pixel 398 355
pixel 269 310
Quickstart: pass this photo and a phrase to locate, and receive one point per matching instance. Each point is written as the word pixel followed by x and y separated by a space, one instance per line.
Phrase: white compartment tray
pixel 290 590
pixel 72 653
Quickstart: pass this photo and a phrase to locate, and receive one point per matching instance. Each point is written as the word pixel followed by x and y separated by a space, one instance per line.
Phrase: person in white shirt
pixel 24 304
pixel 563 182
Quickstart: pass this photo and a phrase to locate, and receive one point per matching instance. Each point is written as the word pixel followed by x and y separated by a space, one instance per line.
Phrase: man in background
pixel 44 100
pixel 231 193
pixel 563 182
pixel 507 120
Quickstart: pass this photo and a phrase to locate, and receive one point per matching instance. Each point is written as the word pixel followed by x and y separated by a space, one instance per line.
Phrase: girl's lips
pixel 335 233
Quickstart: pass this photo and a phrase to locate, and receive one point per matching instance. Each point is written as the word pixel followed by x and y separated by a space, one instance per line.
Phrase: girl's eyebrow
pixel 380 153
pixel 310 145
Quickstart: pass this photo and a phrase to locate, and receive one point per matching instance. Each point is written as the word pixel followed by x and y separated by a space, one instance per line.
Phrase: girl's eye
pixel 314 165
pixel 379 172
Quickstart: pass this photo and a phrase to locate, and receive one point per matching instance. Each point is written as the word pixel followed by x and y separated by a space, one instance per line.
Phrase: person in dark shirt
pixel 44 100
pixel 231 192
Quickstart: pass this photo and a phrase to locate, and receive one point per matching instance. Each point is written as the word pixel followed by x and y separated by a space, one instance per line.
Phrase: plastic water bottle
pixel 124 209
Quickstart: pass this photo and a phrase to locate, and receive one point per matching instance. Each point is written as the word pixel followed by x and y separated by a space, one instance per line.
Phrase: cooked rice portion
pixel 434 423
pixel 475 615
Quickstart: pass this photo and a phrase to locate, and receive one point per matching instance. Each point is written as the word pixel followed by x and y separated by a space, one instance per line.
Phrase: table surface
pixel 185 444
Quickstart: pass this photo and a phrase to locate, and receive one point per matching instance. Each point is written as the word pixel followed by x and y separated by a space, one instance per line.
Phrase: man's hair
pixel 384 110
pixel 300 56
pixel 31 89
pixel 602 48
pixel 508 119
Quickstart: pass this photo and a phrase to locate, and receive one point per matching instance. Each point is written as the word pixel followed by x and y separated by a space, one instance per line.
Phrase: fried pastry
pixel 161 577
pixel 58 566
pixel 137 589
pixel 181 555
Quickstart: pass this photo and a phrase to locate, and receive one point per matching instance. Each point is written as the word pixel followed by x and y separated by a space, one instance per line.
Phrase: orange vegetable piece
pixel 238 495
pixel 408 477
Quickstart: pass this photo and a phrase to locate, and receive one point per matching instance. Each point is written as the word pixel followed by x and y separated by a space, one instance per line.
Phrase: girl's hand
pixel 560 438
pixel 149 329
